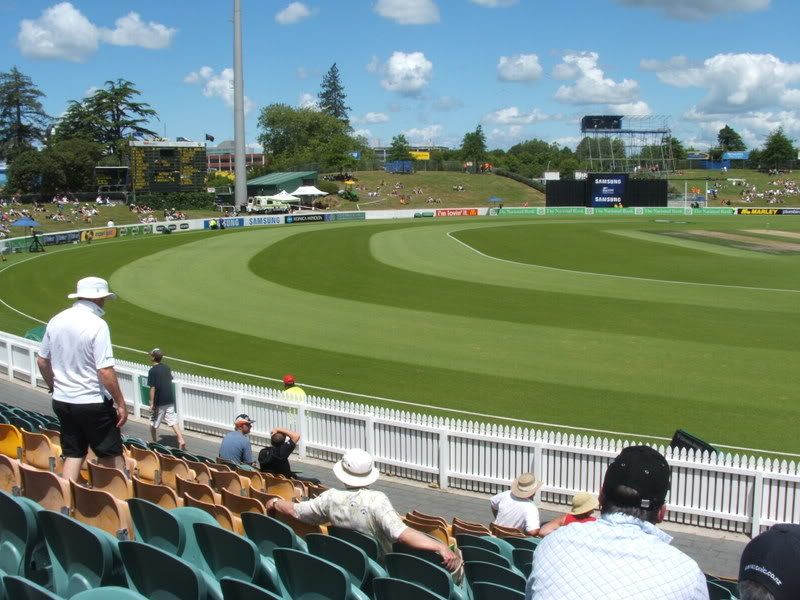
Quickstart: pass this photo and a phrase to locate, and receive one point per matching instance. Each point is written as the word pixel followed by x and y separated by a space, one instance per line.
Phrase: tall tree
pixel 729 140
pixel 473 147
pixel 23 121
pixel 77 122
pixel 120 116
pixel 399 148
pixel 779 152
pixel 332 96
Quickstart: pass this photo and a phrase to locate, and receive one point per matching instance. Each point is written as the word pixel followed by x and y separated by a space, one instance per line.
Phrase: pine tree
pixel 332 97
pixel 23 121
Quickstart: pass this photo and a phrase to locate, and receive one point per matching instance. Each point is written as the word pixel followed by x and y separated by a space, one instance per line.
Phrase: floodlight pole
pixel 240 195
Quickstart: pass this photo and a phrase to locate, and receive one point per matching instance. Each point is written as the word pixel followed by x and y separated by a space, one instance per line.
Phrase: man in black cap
pixel 622 555
pixel 768 570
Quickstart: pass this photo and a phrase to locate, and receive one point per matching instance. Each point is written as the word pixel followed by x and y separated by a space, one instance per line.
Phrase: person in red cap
pixel 291 388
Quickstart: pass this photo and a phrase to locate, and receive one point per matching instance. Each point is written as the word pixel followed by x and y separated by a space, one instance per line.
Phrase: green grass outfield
pixel 597 322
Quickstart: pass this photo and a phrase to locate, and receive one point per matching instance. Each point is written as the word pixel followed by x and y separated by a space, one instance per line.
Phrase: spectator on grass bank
pixel 622 555
pixel 235 446
pixel 275 458
pixel 290 388
pixel 583 505
pixel 362 509
pixel 162 398
pixel 768 569
pixel 514 508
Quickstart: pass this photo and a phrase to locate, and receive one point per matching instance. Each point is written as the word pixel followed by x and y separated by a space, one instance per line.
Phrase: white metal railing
pixel 740 493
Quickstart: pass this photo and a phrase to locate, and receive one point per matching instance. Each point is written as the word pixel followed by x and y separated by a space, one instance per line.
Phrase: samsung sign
pixel 607 190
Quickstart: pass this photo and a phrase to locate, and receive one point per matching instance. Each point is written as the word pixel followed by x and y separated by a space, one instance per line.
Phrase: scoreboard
pixel 166 167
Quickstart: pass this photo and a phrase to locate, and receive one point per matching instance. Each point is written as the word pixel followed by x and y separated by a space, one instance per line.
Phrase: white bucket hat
pixel 92 288
pixel 356 469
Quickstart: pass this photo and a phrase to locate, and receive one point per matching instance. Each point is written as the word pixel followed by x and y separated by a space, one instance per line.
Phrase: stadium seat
pixel 183 455
pixel 19 588
pixel 23 423
pixel 109 593
pixel 430 518
pixel 222 515
pixel 54 435
pixel 388 588
pixel 110 480
pixel 361 569
pixel 256 479
pixel 473 553
pixel 422 572
pixel 461 527
pixel 428 555
pixel 83 557
pixel 491 543
pixel 22 547
pixel 718 592
pixel 315 490
pixel 186 518
pixel 506 532
pixel 366 542
pixel 227 554
pixel 201 470
pixel 10 440
pixel 330 581
pixel 147 464
pixel 233 482
pixel 262 497
pixel 268 534
pixel 159 448
pixel 483 590
pixel 434 530
pixel 134 443
pixel 102 510
pixel 39 452
pixel 300 528
pixel 528 543
pixel 241 504
pixel 523 561
pixel 483 571
pixel 9 474
pixel 173 577
pixel 199 491
pixel 729 584
pixel 234 589
pixel 156 526
pixel 48 489
pixel 162 495
pixel 171 468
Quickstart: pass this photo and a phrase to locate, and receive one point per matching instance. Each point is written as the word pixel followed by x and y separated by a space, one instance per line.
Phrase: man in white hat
pixel 514 508
pixel 76 361
pixel 362 509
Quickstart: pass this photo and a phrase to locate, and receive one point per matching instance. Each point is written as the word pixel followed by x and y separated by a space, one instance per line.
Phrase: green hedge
pixel 517 177
pixel 179 201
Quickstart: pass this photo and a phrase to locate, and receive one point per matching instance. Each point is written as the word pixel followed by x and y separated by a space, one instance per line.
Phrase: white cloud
pixel 447 103
pixel 520 67
pixel 735 83
pixel 217 85
pixel 639 108
pixel 698 9
pixel 494 3
pixel 308 101
pixel 130 30
pixel 407 73
pixel 61 32
pixel 409 12
pixel 513 116
pixel 366 133
pixel 293 13
pixel 591 86
pixel 424 135
pixel 372 117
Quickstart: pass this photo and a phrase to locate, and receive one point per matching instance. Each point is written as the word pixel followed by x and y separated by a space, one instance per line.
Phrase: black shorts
pixel 85 425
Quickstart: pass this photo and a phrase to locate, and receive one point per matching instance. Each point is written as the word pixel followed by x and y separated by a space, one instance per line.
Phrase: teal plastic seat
pixel 361 569
pixel 487 542
pixel 23 550
pixel 420 571
pixel 366 542
pixel 472 553
pixel 388 588
pixel 19 588
pixel 135 443
pixel 484 590
pixel 3 419
pixel 109 593
pixel 308 577
pixel 82 557
pixel 523 561
pixel 227 554
pixel 187 517
pixel 158 574
pixel 529 543
pixel 234 589
pixel 718 592
pixel 178 453
pixel 428 555
pixel 268 534
pixel 23 423
pixel 156 526
pixel 482 571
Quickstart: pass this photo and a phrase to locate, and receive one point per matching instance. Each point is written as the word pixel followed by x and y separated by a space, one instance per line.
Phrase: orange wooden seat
pixel 39 452
pixel 102 510
pixel 240 504
pixel 199 491
pixel 46 488
pixel 315 490
pixel 110 480
pixel 148 467
pixel 460 526
pixel 283 488
pixel 262 497
pixel 223 515
pixel 430 519
pixel 233 482
pixel 9 474
pixel 300 528
pixel 504 532
pixel 255 478
pixel 171 468
pixel 10 440
pixel 202 473
pixel 435 531
pixel 159 494
pixel 55 436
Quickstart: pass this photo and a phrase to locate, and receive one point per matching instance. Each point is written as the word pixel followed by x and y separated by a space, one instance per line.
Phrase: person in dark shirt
pixel 275 458
pixel 162 398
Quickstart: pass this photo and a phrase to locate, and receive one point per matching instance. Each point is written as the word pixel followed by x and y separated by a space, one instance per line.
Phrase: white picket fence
pixel 738 493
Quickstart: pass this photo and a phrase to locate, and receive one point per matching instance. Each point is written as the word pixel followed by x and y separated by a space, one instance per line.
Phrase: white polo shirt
pixel 77 343
pixel 518 513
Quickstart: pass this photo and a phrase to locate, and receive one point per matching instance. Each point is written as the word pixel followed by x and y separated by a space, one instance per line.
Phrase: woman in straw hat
pixel 583 505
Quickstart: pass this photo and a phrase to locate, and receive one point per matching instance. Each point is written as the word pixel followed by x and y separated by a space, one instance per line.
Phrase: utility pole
pixel 240 195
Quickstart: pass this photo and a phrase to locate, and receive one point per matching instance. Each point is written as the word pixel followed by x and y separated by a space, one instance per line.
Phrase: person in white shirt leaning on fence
pixel 514 508
pixel 622 555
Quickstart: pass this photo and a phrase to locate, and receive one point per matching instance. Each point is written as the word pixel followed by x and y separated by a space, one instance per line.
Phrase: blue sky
pixel 432 69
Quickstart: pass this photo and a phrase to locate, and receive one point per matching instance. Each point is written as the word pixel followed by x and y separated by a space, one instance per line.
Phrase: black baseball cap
pixel 771 559
pixel 641 469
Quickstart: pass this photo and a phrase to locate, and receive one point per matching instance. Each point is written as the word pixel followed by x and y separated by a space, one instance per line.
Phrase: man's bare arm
pixel 292 435
pixel 46 369
pixel 417 539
